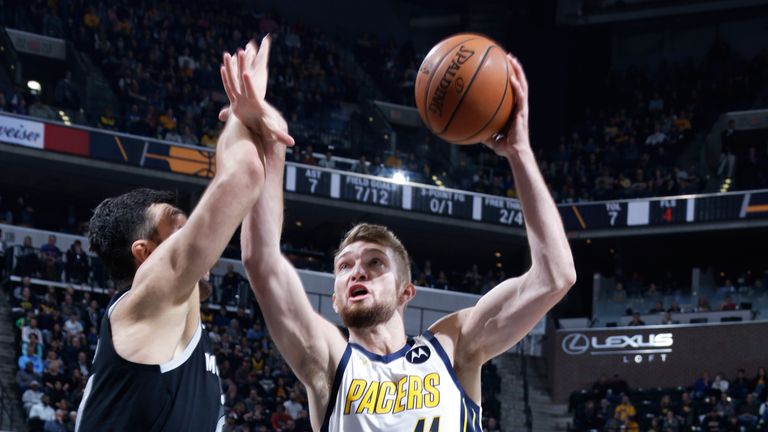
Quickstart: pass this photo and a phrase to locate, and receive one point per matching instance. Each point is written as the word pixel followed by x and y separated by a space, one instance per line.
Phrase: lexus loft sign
pixel 635 348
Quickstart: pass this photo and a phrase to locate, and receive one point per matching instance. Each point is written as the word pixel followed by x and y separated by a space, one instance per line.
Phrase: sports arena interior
pixel 649 119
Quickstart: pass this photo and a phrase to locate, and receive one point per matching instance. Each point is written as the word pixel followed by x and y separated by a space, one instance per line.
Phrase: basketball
pixel 463 93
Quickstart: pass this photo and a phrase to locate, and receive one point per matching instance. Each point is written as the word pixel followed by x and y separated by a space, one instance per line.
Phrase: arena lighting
pixel 34 86
pixel 399 178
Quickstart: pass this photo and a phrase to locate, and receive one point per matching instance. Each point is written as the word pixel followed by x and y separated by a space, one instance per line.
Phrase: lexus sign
pixel 632 347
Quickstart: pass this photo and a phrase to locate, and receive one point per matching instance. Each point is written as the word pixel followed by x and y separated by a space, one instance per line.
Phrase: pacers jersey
pixel 183 394
pixel 414 389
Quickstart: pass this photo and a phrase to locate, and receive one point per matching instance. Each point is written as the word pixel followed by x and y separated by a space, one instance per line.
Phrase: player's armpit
pixel 502 317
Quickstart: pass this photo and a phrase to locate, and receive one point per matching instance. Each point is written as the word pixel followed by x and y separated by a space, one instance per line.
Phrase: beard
pixel 362 316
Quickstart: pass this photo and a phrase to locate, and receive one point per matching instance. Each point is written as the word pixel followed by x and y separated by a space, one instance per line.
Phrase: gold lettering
pixel 401 393
pixel 384 406
pixel 414 392
pixel 355 392
pixel 369 400
pixel 431 382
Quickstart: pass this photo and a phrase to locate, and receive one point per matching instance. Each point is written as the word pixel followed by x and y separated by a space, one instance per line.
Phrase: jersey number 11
pixel 435 427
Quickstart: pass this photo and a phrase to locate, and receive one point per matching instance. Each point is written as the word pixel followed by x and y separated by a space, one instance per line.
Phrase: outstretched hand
pixel 515 138
pixel 245 78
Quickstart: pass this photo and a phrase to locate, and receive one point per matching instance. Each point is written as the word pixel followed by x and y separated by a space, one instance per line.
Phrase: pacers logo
pixel 418 355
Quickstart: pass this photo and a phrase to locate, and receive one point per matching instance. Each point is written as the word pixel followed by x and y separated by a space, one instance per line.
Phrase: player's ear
pixel 140 249
pixel 333 303
pixel 409 292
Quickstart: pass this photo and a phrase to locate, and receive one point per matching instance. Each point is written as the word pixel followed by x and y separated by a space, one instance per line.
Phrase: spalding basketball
pixel 463 92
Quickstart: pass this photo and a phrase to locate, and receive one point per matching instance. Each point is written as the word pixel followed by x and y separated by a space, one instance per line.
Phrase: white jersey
pixel 414 389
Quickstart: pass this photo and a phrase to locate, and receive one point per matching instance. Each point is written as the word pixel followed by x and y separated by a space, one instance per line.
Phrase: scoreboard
pixel 497 210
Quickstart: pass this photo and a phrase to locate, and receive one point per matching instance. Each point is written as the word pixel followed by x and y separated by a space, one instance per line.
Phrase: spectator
pixel 27 261
pixel 73 326
pixel 658 308
pixel 293 405
pixel 728 304
pixel 701 386
pixel 230 284
pixel 25 304
pixel 702 305
pixel 759 386
pixel 187 137
pixel 657 137
pixel 667 320
pixel 107 119
pixel 601 386
pixel 51 256
pixel 749 411
pixel 672 422
pixel 327 161
pixel 31 357
pixel 493 424
pixel 26 375
pixel 720 383
pixel 636 321
pixel 58 424
pixel 625 409
pixel 308 156
pixel 394 161
pixel 66 95
pixel 279 418
pixel 361 166
pixel 32 396
pixel 31 329
pixel 77 267
pixel 615 424
pixel 740 386
pixel 43 410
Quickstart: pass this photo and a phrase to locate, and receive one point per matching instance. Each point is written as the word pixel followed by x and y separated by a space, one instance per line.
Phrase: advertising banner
pixel 27 133
pixel 653 356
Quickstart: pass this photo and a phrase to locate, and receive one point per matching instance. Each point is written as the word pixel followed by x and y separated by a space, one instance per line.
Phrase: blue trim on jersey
pixel 335 389
pixel 446 360
pixel 383 358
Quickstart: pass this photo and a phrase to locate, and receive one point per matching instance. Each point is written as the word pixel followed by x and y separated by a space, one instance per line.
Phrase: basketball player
pixel 380 380
pixel 154 369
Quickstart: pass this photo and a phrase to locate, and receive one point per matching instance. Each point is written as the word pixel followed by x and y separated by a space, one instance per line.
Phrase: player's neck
pixel 383 339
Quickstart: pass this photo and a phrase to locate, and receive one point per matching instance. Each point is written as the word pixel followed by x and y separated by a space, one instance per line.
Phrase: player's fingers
pixel 284 138
pixel 519 72
pixel 227 84
pixel 251 51
pixel 240 67
pixel 234 83
pixel 262 58
pixel 519 97
pixel 224 113
pixel 249 86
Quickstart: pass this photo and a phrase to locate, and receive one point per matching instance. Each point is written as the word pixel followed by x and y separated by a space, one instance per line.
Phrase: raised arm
pixel 311 345
pixel 170 273
pixel 510 310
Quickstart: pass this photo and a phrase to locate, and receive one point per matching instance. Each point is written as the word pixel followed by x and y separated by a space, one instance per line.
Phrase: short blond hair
pixel 380 235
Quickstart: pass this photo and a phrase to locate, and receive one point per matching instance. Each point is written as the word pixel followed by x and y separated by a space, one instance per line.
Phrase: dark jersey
pixel 183 394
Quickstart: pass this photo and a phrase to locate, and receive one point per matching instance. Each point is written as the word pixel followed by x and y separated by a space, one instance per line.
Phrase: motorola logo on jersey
pixel 418 355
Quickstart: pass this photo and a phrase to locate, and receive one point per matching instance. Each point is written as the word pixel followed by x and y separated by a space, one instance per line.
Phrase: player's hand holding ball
pixel 469 90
